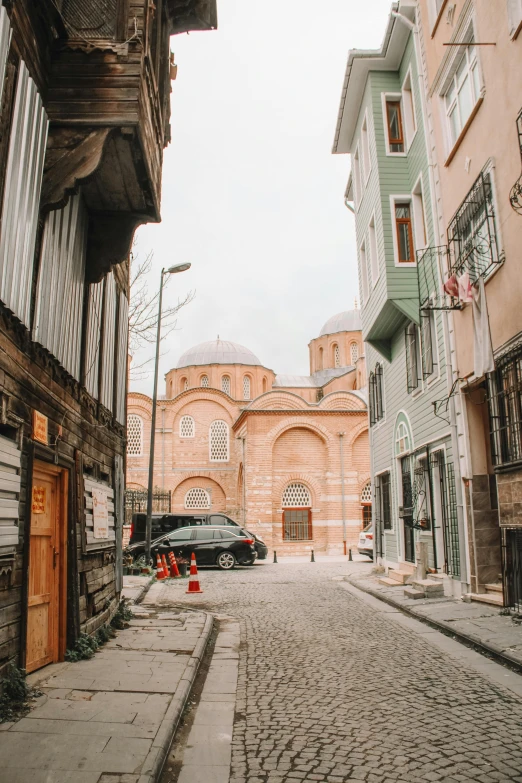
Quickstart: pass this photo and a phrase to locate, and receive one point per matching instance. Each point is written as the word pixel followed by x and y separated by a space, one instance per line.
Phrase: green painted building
pixel 412 438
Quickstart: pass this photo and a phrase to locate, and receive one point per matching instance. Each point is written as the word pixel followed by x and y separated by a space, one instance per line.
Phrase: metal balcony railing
pixel 433 265
pixel 515 197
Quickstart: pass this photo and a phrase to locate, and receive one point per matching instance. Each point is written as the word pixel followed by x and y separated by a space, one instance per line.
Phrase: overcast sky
pixel 252 195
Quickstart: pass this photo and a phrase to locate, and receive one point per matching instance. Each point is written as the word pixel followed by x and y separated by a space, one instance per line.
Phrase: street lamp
pixel 148 524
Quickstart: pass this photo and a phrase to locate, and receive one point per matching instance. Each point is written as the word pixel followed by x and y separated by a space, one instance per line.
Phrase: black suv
pixel 165 523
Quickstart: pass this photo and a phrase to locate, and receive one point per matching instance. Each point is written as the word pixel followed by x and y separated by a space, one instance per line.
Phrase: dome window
pixel 246 388
pixel 204 381
pixel 184 384
pixel 197 498
pixel 225 384
pixel 134 435
pixel 336 355
pixel 320 358
pixel 219 441
pixel 187 427
pixel 354 352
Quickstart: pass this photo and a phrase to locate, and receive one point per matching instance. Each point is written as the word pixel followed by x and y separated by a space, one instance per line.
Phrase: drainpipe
pixel 449 336
pixel 341 436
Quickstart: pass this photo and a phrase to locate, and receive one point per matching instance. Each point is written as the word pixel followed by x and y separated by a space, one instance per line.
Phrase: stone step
pixel 401 577
pixel 494 588
pixel 384 580
pixel 409 592
pixel 495 599
pixel 428 586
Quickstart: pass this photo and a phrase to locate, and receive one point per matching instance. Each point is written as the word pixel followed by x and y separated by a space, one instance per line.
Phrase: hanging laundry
pixel 451 286
pixel 465 291
pixel 483 348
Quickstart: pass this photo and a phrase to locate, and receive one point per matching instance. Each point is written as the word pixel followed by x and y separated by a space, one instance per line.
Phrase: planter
pixel 182 568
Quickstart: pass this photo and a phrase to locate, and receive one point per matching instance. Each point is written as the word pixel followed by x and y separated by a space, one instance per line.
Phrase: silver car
pixel 365 545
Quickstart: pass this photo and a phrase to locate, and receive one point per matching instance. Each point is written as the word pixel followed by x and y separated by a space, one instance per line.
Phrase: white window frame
pixel 514 11
pixel 185 437
pixel 363 266
pixel 196 508
pixel 365 149
pixel 418 210
pixel 398 438
pixel 399 199
pixel 215 459
pixel 336 355
pixel 204 385
pixel 393 96
pixel 374 255
pixel 247 381
pixel 352 363
pixel 409 116
pixel 357 179
pixel 139 418
pixel 225 378
pixel 477 91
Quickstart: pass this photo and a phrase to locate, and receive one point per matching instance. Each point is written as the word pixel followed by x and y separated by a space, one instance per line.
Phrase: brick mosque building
pixel 287 456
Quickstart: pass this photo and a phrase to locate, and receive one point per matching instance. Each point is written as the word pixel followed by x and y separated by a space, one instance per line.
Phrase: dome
pixel 349 321
pixel 217 352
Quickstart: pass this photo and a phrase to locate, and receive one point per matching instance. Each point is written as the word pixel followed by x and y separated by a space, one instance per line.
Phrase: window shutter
pixel 411 357
pixel 379 412
pixel 371 398
pixel 10 468
pixel 427 344
pixel 385 510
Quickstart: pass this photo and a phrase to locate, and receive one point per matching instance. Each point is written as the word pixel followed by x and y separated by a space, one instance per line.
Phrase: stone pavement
pixel 479 624
pixel 337 686
pixel 135 587
pixel 109 719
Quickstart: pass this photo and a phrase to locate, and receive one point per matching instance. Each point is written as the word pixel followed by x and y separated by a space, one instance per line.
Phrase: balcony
pixel 515 197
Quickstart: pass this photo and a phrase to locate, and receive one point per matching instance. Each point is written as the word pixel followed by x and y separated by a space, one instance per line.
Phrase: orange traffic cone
pixel 160 574
pixel 193 585
pixel 166 571
pixel 174 570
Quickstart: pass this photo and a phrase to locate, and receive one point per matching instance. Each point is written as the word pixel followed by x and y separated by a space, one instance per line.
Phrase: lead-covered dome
pixel 348 321
pixel 217 352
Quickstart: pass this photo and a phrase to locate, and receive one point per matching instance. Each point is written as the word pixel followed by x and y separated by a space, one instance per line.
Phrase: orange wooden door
pixel 44 571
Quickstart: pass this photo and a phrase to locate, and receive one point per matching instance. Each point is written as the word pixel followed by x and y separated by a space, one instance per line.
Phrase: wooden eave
pixel 187 15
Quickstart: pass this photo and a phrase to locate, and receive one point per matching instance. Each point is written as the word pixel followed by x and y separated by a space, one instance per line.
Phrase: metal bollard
pixel 350 558
pixel 275 556
pixel 312 557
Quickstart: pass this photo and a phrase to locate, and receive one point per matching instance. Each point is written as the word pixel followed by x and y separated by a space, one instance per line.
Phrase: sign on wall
pixel 40 428
pixel 38 504
pixel 100 513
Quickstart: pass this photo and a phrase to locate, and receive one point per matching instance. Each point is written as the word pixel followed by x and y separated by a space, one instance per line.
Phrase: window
pixel 421 494
pixel 204 381
pixel 320 358
pixel 419 220
pixel 225 384
pixel 428 342
pixel 246 388
pixel 181 535
pixel 197 498
pixel 375 395
pixel 354 353
pixel 336 355
pixel 402 439
pixel 514 17
pixel 383 503
pixel 366 503
pixel 364 272
pixel 372 248
pixel 219 441
pixel 219 519
pixel 183 386
pixel 405 251
pixel 204 534
pixel 365 148
pixel 264 385
pixel 394 125
pixel 505 408
pixel 187 427
pixel 357 186
pixel 412 356
pixel 463 93
pixel 410 121
pixel 297 513
pixel 134 435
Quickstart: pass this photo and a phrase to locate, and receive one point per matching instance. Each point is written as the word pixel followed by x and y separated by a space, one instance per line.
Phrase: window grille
pixel 204 381
pixel 219 441
pixel 505 408
pixel 246 388
pixel 515 196
pixel 382 510
pixel 184 384
pixel 428 330
pixel 225 384
pixel 376 395
pixel 296 496
pixel 511 538
pixel 187 427
pixel 197 498
pixel 412 350
pixel 366 494
pixel 443 473
pixel 134 435
pixel 354 352
pixel 337 356
pixel 472 233
pixel 366 515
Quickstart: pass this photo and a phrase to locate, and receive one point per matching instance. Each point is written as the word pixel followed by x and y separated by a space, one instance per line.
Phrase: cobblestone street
pixel 332 689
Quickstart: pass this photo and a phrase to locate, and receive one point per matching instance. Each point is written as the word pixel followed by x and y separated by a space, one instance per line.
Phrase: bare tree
pixel 143 313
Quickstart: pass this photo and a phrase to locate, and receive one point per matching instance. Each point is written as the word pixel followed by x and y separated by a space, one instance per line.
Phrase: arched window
pixel 225 384
pixel 246 388
pixel 402 439
pixel 218 445
pixel 354 352
pixel 197 498
pixel 297 513
pixel 204 381
pixel 183 384
pixel 366 503
pixel 134 435
pixel 336 355
pixel 264 385
pixel 187 427
pixel 320 358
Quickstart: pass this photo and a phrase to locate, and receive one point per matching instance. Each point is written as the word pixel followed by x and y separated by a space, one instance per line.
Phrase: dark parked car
pixel 165 523
pixel 211 545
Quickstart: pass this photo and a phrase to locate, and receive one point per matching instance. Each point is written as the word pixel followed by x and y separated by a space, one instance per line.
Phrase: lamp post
pixel 148 524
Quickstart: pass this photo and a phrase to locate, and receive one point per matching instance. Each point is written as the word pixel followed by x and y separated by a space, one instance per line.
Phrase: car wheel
pixel 225 561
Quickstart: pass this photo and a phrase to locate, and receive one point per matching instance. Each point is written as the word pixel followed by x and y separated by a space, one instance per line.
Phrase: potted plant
pixel 182 564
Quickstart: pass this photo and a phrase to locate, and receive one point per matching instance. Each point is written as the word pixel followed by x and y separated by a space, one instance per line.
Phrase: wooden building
pixel 84 118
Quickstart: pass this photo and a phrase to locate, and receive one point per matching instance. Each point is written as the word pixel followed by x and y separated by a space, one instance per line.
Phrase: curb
pixel 468 640
pixel 153 764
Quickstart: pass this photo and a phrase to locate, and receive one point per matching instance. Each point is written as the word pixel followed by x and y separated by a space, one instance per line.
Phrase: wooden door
pixel 46 579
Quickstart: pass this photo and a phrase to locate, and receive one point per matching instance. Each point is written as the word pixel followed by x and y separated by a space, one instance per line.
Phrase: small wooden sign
pixel 40 428
pixel 38 502
pixel 100 514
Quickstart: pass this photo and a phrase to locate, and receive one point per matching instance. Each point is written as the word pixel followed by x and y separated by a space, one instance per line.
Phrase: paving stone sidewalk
pixel 480 624
pixel 110 719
